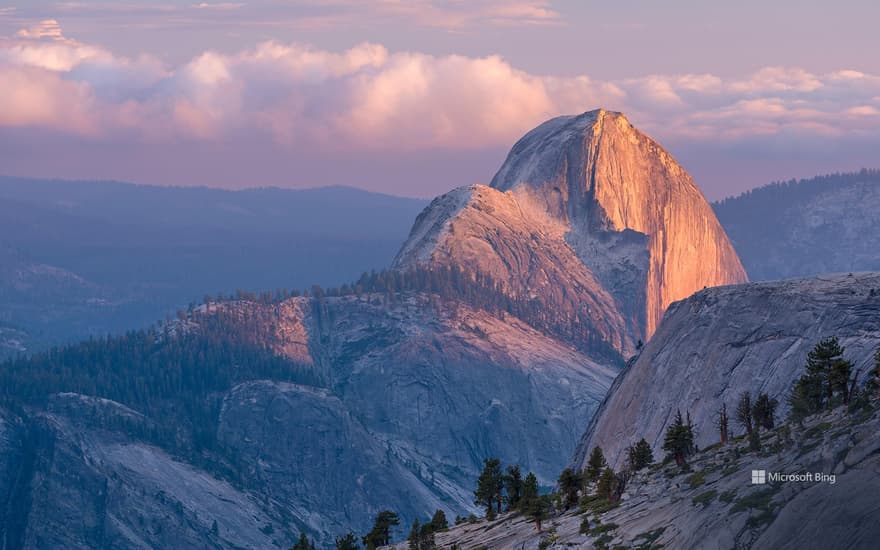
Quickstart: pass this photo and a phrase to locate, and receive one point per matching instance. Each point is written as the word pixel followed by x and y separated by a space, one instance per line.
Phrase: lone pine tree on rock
pixel 722 422
pixel 595 465
pixel 490 486
pixel 679 440
pixel 826 383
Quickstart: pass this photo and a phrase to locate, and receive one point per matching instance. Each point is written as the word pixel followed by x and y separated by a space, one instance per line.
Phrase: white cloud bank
pixel 367 98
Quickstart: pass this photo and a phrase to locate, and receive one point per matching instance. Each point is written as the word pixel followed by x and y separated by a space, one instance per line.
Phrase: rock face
pixel 82 482
pixel 418 392
pixel 593 209
pixel 428 392
pixel 715 505
pixel 723 341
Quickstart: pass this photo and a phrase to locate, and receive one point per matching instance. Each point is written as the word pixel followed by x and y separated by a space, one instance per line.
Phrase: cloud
pixel 220 5
pixel 367 98
pixel 48 28
pixel 453 15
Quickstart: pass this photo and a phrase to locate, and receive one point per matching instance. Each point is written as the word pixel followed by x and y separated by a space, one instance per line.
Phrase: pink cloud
pixel 366 98
pixel 37 98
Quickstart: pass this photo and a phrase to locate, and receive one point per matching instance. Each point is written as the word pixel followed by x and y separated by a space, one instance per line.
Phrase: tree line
pixel 450 284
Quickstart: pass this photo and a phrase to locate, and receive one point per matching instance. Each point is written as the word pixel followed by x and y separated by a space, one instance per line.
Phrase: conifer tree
pixel 380 535
pixel 413 538
pixel 764 412
pixel 679 440
pixel 421 536
pixel 755 440
pixel 303 543
pixel 595 465
pixel 744 412
pixel 828 377
pixel 513 486
pixel 722 422
pixel 639 455
pixel 607 484
pixel 347 542
pixel 438 521
pixel 569 484
pixel 537 510
pixel 530 489
pixel 490 485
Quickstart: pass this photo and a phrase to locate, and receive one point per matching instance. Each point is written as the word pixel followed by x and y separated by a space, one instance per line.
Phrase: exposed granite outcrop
pixel 591 216
pixel 722 341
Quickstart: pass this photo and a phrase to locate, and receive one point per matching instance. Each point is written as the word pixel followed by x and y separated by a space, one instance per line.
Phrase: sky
pixel 418 97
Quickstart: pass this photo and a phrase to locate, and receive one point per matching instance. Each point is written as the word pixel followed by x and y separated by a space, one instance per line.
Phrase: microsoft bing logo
pixel 759 477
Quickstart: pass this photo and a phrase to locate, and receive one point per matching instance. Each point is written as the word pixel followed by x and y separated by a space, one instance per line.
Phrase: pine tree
pixel 840 378
pixel 438 521
pixel 764 412
pixel 380 535
pixel 607 484
pixel 490 485
pixel 347 542
pixel 806 396
pixel 530 489
pixel 820 360
pixel 743 412
pixel 537 510
pixel 569 484
pixel 513 486
pixel 595 465
pixel 679 440
pixel 722 422
pixel 303 543
pixel 639 455
pixel 415 536
pixel 755 441
pixel 828 376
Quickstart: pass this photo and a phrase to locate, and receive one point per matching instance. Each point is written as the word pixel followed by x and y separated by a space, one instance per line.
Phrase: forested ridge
pixel 176 372
pixel 805 227
pixel 452 284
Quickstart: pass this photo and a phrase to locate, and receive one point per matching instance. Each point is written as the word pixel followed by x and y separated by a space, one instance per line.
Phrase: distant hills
pixel 83 258
pixel 798 228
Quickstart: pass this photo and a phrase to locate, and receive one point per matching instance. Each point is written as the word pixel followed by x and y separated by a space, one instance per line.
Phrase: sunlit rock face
pixel 590 216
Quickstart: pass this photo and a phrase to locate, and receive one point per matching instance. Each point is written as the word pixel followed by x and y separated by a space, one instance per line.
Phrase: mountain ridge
pixel 599 198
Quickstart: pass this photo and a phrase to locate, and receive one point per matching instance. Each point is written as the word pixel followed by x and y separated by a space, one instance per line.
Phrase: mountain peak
pixel 601 176
pixel 590 215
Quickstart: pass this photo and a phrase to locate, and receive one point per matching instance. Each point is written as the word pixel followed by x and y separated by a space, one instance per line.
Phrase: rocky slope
pixel 723 341
pixel 799 228
pixel 715 504
pixel 416 393
pixel 80 480
pixel 594 218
